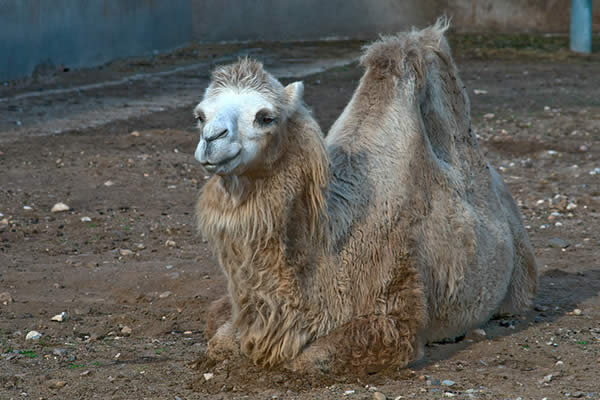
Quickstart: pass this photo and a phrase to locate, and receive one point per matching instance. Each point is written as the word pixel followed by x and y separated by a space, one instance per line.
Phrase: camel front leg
pixel 364 345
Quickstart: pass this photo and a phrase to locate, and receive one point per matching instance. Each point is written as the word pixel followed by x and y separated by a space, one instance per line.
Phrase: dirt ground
pixel 134 278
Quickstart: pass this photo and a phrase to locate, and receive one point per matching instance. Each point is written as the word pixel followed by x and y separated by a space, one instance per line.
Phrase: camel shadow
pixel 559 292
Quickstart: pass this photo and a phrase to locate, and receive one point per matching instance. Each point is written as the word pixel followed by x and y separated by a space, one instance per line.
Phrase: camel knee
pixel 219 312
pixel 364 345
pixel 224 344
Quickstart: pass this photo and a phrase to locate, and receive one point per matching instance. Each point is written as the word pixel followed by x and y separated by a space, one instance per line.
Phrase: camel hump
pixel 406 52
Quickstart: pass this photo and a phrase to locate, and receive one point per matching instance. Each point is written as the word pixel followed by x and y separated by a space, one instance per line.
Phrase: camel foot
pixel 224 344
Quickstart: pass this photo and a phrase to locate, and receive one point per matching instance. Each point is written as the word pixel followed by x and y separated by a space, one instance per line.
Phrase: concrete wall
pixel 78 33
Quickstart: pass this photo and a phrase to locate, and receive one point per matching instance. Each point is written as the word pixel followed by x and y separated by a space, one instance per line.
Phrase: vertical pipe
pixel 581 26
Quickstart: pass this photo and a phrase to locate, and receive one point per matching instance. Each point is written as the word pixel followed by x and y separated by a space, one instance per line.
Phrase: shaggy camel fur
pixel 350 252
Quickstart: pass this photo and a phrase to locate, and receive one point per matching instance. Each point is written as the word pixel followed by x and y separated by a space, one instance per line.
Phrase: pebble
pixel 559 363
pixel 379 396
pixel 595 171
pixel 577 395
pixel 489 115
pixel 558 243
pixel 56 384
pixel 125 252
pixel 135 133
pixel 62 317
pixel 33 335
pixel 28 208
pixel 164 295
pixel 348 392
pixel 1 215
pixel 208 376
pixel 571 206
pixel 480 91
pixel 108 183
pixel 170 243
pixel 59 352
pixel 448 382
pixel 546 379
pixel 6 298
pixel 479 333
pixel 577 311
pixel 86 219
pixel 60 207
pixel 126 330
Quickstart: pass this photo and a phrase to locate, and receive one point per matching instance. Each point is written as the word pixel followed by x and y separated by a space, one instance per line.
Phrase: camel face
pixel 242 119
pixel 236 128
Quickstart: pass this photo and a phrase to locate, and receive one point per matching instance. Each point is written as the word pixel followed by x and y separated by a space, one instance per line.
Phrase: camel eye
pixel 264 117
pixel 200 117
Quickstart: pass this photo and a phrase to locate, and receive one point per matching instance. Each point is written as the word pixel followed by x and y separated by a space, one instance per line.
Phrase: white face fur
pixel 235 126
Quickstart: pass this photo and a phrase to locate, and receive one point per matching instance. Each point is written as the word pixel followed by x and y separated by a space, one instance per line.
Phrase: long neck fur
pixel 270 233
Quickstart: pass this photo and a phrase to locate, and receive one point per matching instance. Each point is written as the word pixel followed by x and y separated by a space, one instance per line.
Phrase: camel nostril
pixel 220 135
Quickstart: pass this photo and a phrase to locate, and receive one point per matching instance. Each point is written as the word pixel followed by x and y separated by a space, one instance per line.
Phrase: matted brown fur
pixel 351 252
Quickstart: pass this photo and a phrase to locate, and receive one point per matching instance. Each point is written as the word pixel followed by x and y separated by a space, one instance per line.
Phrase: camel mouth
pixel 222 167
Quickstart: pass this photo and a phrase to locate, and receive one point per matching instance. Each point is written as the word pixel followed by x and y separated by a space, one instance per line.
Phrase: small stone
pixel 448 382
pixel 28 208
pixel 546 379
pixel 33 335
pixel 479 333
pixel 540 308
pixel 126 331
pixel 379 396
pixel 109 183
pixel 577 311
pixel 449 394
pixel 170 243
pixel 164 295
pixel 56 384
pixel 188 332
pixel 140 246
pixel 558 243
pixel 135 133
pixel 348 392
pixel 571 206
pixel 86 219
pixel 60 317
pixel 86 373
pixel 208 376
pixel 489 116
pixel 6 298
pixel 60 207
pixel 59 352
pixel 577 395
pixel 479 91
pixel 559 363
pixel 125 252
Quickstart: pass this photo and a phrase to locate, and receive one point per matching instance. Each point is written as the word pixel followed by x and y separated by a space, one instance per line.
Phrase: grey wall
pixel 78 33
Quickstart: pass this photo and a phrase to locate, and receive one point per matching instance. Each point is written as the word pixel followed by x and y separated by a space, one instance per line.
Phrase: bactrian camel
pixel 348 253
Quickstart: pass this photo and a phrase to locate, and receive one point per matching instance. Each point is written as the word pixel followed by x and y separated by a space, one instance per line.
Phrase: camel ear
pixel 294 92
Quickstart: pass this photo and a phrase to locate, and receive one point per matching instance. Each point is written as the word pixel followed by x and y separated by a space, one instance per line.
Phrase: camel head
pixel 242 119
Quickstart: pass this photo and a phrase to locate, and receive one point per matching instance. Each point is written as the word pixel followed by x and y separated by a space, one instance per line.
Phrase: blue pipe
pixel 581 26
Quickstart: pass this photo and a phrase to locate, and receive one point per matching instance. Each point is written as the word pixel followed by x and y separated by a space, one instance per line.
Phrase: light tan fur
pixel 347 254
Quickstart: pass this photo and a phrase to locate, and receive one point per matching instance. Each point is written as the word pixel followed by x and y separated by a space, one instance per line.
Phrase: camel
pixel 347 253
